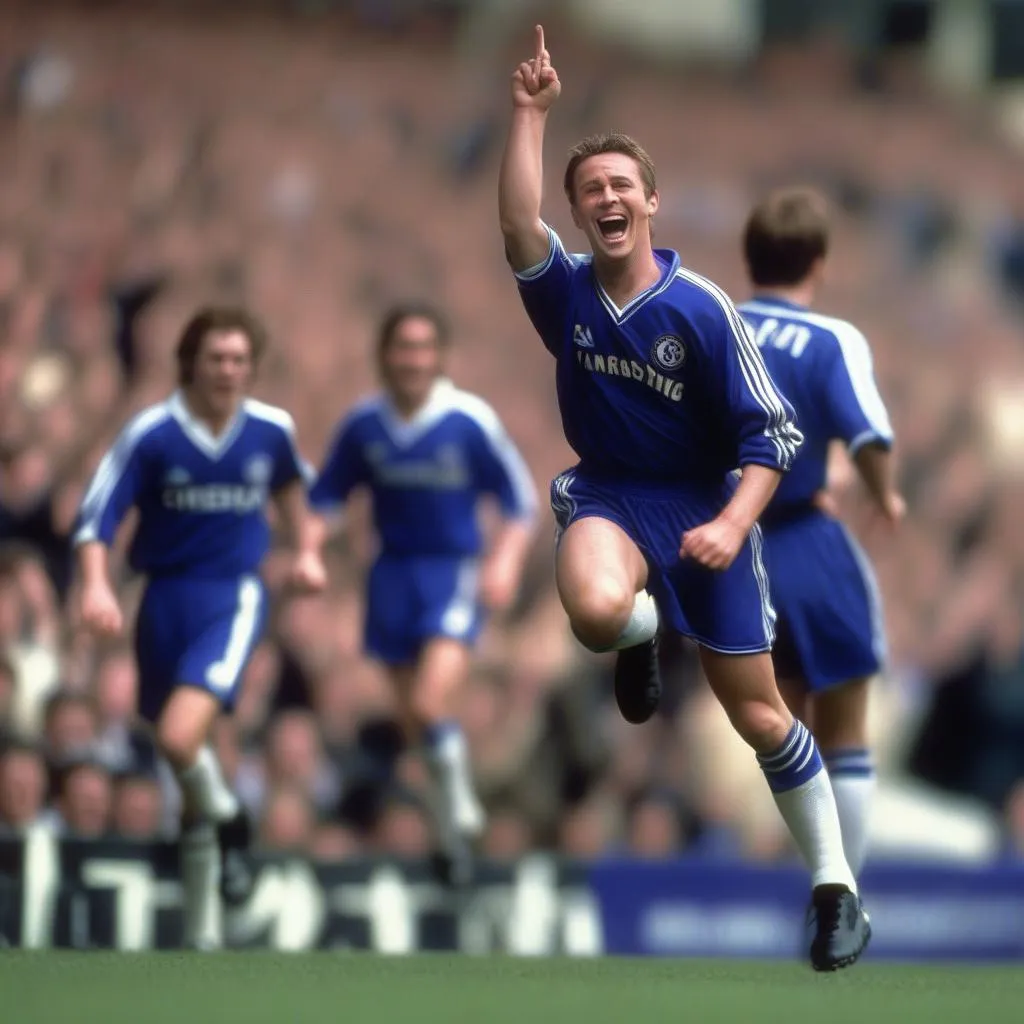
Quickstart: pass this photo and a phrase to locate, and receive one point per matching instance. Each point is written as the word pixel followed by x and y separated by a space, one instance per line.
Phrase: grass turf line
pixel 268 988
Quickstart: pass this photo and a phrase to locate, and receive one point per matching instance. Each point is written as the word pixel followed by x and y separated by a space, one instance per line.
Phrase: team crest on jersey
pixel 668 352
pixel 582 337
pixel 176 477
pixel 257 469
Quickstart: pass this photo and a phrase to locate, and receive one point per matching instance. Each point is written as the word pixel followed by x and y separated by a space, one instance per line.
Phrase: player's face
pixel 412 360
pixel 223 370
pixel 611 207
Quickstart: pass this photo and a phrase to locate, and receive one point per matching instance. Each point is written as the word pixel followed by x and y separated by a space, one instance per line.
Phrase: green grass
pixel 267 988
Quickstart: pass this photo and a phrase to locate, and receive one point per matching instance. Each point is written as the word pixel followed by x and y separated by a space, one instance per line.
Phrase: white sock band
pixel 642 624
pixel 206 792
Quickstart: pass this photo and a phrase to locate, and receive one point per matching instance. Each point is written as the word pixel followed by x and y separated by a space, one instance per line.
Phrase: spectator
pixel 69 727
pixel 84 800
pixel 289 820
pixel 137 812
pixel 22 787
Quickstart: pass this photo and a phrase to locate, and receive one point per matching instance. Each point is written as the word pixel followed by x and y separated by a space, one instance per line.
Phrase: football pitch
pixel 266 988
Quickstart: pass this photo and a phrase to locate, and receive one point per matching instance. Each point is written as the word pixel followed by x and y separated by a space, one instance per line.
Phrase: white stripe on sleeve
pixel 856 355
pixel 111 471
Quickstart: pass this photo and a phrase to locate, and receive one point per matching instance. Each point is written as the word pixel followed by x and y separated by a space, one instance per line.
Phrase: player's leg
pixel 793 767
pixel 449 619
pixel 221 624
pixel 841 729
pixel 207 801
pixel 832 641
pixel 435 680
pixel 601 577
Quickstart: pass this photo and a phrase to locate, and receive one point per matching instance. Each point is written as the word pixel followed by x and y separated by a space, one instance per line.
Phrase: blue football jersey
pixel 427 474
pixel 201 499
pixel 669 388
pixel 823 366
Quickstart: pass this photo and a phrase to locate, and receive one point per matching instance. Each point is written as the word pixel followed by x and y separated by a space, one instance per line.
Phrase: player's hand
pixel 535 83
pixel 714 545
pixel 893 509
pixel 308 574
pixel 825 502
pixel 498 585
pixel 99 611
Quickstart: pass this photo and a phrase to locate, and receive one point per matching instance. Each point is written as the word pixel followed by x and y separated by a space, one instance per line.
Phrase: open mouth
pixel 613 227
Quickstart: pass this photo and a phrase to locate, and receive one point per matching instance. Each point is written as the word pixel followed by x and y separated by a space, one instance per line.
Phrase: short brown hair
pixel 608 142
pixel 219 319
pixel 786 234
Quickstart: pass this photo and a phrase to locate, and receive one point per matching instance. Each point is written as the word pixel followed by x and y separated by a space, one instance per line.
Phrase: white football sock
pixel 853 782
pixel 642 624
pixel 809 811
pixel 803 794
pixel 449 764
pixel 206 793
pixel 200 881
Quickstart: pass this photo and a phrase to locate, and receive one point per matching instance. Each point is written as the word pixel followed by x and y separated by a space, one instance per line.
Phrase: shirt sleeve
pixel 499 469
pixel 114 488
pixel 858 414
pixel 343 470
pixel 289 465
pixel 762 420
pixel 545 290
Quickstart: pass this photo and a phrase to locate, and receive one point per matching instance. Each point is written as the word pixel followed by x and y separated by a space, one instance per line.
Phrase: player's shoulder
pixel 557 251
pixel 700 298
pixel 264 412
pixel 147 423
pixel 366 411
pixel 827 332
pixel 470 407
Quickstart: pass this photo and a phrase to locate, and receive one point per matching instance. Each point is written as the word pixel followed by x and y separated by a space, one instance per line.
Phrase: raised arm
pixel 535 87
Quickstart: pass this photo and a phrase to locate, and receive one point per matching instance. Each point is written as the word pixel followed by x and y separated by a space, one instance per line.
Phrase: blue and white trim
pixel 856 356
pixel 502 447
pixel 112 469
pixel 781 430
pixel 797 761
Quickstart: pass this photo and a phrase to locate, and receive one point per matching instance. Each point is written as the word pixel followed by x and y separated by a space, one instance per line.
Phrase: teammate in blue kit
pixel 663 394
pixel 429 452
pixel 200 469
pixel 830 631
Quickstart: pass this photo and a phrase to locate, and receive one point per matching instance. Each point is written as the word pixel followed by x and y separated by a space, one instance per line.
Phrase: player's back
pixel 824 368
pixel 201 498
pixel 427 473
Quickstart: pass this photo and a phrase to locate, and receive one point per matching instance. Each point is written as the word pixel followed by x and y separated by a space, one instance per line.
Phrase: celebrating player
pixel 830 639
pixel 429 452
pixel 199 468
pixel 662 394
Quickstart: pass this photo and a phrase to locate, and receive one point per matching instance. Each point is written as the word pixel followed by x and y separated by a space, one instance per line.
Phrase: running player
pixel 200 469
pixel 830 633
pixel 663 394
pixel 429 453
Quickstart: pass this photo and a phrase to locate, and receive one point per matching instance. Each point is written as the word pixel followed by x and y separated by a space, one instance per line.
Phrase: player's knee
pixel 599 612
pixel 178 742
pixel 763 725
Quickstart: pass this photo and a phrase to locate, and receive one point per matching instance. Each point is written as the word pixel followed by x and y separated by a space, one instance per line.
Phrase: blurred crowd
pixel 316 169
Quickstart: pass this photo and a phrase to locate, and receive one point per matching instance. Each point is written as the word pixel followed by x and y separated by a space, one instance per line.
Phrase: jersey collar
pixel 405 432
pixel 768 299
pixel 668 262
pixel 213 446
